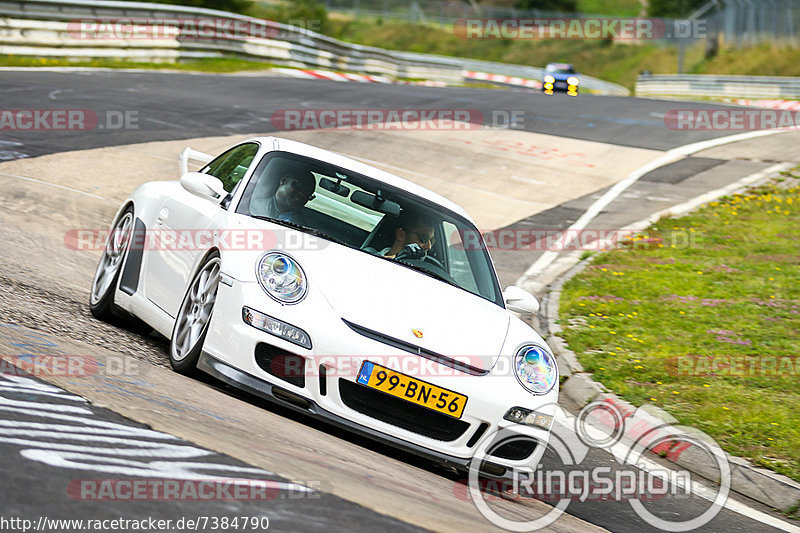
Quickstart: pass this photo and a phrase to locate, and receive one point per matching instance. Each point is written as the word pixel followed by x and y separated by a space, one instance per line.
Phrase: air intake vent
pixel 286 366
pixel 514 450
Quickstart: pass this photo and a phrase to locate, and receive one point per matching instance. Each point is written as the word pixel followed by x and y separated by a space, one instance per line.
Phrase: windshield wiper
pixel 304 229
pixel 427 272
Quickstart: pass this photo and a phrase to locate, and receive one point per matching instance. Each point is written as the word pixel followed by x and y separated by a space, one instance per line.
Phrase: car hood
pixel 393 301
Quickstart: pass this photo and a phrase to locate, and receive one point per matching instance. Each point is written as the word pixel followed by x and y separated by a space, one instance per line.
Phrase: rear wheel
pixel 101 299
pixel 194 315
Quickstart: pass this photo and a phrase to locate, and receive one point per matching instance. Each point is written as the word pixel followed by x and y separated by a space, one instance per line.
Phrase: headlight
pixel 549 79
pixel 536 369
pixel 572 80
pixel 282 278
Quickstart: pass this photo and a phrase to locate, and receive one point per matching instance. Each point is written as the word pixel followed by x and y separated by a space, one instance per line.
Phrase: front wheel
pixel 194 314
pixel 101 299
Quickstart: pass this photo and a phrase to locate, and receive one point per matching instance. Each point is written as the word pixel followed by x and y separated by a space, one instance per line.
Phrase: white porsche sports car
pixel 339 290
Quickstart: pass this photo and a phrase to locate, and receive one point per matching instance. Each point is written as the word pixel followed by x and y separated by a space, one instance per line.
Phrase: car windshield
pixel 365 214
pixel 560 69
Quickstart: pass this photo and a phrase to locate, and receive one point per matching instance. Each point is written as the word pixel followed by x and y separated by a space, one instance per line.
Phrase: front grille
pixel 286 366
pixel 516 450
pixel 400 413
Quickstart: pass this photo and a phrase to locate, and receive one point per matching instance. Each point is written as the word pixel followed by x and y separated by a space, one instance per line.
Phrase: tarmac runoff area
pixel 499 176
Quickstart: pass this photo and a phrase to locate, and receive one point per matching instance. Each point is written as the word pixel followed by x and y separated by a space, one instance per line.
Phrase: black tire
pixel 106 276
pixel 194 315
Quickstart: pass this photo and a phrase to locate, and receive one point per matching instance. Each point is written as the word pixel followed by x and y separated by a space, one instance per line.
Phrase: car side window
pixel 231 166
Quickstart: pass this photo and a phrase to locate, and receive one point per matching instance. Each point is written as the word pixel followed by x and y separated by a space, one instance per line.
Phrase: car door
pixel 182 228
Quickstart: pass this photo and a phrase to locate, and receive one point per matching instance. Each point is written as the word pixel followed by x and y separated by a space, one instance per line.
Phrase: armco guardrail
pixel 51 28
pixel 718 86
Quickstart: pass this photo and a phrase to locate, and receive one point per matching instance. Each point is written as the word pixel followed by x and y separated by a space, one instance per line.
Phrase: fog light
pixel 526 417
pixel 276 327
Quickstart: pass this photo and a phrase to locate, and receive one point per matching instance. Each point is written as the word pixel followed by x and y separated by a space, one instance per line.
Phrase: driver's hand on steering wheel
pixel 411 251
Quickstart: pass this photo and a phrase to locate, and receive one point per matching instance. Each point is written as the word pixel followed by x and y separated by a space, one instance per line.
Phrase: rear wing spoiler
pixel 191 155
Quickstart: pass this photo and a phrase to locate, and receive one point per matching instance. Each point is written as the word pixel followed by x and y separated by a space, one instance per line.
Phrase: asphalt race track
pixel 182 106
pixel 141 420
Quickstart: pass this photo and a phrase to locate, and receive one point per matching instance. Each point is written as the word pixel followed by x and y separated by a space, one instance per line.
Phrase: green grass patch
pixel 616 62
pixel 221 65
pixel 616 8
pixel 700 316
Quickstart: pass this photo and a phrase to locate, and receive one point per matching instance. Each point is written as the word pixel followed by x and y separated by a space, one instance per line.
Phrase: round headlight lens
pixel 282 278
pixel 536 369
pixel 549 79
pixel 572 80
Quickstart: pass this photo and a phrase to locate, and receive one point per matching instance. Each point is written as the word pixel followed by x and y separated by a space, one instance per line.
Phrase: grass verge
pixel 616 62
pixel 700 315
pixel 221 65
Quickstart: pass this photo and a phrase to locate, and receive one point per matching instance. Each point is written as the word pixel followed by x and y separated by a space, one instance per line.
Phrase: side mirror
pixel 520 301
pixel 204 185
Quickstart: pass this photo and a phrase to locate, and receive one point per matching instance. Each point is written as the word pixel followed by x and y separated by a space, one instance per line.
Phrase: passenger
pixel 294 191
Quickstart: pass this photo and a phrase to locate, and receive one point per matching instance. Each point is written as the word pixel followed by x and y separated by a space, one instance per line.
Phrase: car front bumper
pixel 332 394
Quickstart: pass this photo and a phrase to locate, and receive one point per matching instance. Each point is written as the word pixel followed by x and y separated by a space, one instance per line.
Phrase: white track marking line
pixel 675 154
pixel 34 180
pixel 697 488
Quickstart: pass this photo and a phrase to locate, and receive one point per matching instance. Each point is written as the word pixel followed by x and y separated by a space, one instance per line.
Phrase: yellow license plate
pixel 413 390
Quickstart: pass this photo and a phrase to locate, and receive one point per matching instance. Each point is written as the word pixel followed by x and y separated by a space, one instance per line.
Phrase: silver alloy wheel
pixel 112 258
pixel 195 311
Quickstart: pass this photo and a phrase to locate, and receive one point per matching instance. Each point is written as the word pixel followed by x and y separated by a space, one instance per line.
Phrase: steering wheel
pixel 435 262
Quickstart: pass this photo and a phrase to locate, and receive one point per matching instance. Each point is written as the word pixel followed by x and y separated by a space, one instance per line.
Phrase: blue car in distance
pixel 560 77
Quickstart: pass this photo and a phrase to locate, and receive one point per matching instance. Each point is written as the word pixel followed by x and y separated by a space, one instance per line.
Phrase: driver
pixel 293 192
pixel 414 237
